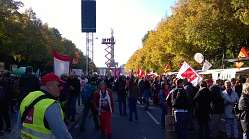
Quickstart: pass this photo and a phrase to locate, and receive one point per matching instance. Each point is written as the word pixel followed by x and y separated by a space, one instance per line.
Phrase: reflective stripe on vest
pixel 36 124
pixel 28 133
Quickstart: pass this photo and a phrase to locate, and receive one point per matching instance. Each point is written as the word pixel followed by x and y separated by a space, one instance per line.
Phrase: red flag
pixel 243 53
pixel 140 73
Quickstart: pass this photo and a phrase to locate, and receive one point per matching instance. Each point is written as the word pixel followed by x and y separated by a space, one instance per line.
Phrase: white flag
pixel 186 72
pixel 61 64
pixel 206 66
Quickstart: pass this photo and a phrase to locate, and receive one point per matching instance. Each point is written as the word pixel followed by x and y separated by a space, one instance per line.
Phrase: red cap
pixel 50 77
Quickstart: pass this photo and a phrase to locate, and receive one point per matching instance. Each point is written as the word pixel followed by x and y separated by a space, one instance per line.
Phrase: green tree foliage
pixel 206 26
pixel 25 40
pixel 242 10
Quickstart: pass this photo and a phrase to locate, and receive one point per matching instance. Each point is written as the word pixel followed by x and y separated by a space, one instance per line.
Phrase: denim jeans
pixel 122 105
pixel 132 108
pixel 203 130
pixel 72 106
pixel 231 127
pixel 181 119
pixel 163 115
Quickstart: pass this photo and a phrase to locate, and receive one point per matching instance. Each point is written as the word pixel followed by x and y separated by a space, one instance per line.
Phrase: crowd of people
pixel 213 109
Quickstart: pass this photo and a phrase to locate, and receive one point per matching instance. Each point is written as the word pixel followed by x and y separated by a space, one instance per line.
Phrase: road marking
pixel 153 118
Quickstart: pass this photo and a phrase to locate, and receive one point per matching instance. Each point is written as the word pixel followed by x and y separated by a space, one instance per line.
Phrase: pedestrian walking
pixel 122 95
pixel 104 104
pixel 87 93
pixel 132 98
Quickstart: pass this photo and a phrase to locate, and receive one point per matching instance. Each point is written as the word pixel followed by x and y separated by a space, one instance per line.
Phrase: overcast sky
pixel 130 20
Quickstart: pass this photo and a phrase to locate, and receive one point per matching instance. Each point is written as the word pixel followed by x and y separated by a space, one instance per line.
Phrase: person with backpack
pixel 180 103
pixel 244 110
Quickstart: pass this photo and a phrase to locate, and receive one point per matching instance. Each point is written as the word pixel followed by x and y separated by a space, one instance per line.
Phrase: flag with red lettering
pixel 186 72
pixel 61 64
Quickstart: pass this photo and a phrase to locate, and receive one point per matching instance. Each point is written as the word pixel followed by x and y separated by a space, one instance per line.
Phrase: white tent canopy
pixel 226 74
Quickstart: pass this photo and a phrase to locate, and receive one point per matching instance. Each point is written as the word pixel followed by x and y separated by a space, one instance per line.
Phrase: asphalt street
pixel 147 126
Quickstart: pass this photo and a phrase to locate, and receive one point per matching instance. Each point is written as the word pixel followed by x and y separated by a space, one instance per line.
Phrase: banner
pixel 206 66
pixel 61 64
pixel 186 72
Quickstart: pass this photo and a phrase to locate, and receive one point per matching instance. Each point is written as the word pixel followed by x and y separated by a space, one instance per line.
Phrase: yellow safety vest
pixel 35 129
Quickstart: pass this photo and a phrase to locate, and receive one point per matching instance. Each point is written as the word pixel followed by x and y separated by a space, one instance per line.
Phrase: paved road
pixel 147 127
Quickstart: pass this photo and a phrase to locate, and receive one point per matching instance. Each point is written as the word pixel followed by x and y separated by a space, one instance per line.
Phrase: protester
pixel 87 93
pixel 217 111
pixel 28 83
pixel 74 91
pixel 132 98
pixel 230 98
pixel 163 105
pixel 4 106
pixel 40 114
pixel 147 93
pixel 180 102
pixel 244 110
pixel 202 109
pixel 121 92
pixel 104 104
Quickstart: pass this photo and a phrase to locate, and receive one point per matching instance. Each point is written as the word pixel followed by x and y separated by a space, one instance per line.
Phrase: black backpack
pixel 180 99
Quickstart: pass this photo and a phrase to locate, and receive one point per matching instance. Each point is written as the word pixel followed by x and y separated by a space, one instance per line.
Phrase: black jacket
pixel 202 104
pixel 179 99
pixel 217 101
pixel 244 115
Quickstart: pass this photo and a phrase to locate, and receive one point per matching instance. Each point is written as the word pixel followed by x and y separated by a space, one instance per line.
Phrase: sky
pixel 130 20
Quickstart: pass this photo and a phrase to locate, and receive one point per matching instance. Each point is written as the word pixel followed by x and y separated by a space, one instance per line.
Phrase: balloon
pixel 199 57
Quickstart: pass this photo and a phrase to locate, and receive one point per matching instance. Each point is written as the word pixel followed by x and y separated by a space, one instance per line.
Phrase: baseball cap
pixel 50 77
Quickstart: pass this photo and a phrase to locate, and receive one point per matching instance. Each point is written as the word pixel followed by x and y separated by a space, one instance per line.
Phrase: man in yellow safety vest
pixel 40 115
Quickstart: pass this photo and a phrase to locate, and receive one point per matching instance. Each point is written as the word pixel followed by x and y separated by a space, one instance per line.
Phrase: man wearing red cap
pixel 40 114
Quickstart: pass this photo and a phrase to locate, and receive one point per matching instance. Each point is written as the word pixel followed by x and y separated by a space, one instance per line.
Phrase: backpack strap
pixel 25 113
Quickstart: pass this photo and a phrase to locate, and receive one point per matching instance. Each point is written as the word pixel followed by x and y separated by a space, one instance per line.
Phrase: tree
pixel 206 26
